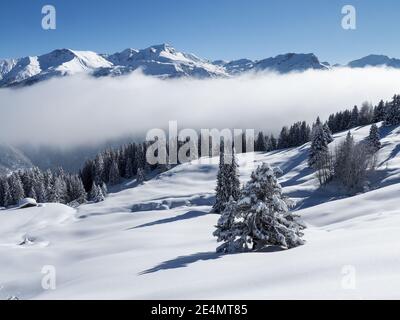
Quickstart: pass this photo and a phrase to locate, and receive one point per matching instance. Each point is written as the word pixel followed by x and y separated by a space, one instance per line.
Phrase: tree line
pixel 43 186
pixel 300 132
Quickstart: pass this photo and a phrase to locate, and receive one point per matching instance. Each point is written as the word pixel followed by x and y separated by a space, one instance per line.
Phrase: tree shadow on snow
pixel 183 261
pixel 188 215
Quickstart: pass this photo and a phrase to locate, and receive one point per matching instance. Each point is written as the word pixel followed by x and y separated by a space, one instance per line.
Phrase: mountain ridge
pixel 162 61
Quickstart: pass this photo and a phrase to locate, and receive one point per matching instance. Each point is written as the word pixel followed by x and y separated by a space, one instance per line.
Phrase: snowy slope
pixel 12 159
pixel 154 240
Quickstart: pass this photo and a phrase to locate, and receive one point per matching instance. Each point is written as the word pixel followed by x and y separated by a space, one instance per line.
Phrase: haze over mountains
pixel 162 61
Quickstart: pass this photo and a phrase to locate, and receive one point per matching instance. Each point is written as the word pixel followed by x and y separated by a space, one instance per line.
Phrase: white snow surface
pixel 154 241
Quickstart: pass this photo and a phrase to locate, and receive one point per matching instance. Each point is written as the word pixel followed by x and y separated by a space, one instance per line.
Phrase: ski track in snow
pixel 155 241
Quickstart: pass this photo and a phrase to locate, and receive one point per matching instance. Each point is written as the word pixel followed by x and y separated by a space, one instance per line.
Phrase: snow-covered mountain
pixel 12 159
pixel 162 61
pixel 374 60
pixel 59 62
pixel 284 63
pixel 157 238
pixel 290 62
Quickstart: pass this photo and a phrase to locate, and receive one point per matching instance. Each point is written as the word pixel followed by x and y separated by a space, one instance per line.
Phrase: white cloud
pixel 79 110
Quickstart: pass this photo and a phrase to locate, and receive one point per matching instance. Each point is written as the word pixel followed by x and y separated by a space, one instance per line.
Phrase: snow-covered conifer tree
pixel 319 151
pixel 392 116
pixel 260 218
pixel 96 193
pixel 373 140
pixel 228 184
pixel 114 176
pixel 6 198
pixel 16 189
pixel 140 176
pixel 328 133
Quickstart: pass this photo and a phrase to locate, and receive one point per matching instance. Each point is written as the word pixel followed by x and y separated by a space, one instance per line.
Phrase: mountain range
pixel 162 61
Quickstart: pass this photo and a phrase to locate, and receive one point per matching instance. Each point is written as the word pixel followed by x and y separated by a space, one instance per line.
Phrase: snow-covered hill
pixel 162 61
pixel 154 240
pixel 12 159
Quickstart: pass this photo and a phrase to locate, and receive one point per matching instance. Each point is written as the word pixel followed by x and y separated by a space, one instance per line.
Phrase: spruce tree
pixel 379 112
pixel 16 189
pixel 221 195
pixel 392 116
pixel 140 176
pixel 114 176
pixel 354 119
pixel 260 218
pixel 373 140
pixel 96 193
pixel 228 184
pixel 328 133
pixel 260 144
pixel 319 145
pixel 6 193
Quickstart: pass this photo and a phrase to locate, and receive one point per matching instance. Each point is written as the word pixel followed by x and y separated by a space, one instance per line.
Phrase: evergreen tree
pixel 260 218
pixel 283 141
pixel 104 189
pixel 6 198
pixel 260 145
pixel 392 116
pixel 96 193
pixel 373 140
pixel 319 145
pixel 379 112
pixel 273 143
pixel 114 176
pixel 354 119
pixel 328 133
pixel 32 194
pixel 228 184
pixel 16 189
pixel 75 190
pixel 141 176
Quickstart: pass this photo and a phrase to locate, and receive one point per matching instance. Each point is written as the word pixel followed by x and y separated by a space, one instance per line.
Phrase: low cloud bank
pixel 80 110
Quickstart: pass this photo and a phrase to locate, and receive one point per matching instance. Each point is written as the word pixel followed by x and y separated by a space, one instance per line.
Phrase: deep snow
pixel 155 240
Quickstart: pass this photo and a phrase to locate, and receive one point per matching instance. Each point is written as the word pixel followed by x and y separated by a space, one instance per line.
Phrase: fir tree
pixel 114 176
pixel 6 193
pixel 96 193
pixel 260 144
pixel 392 116
pixel 260 218
pixel 319 145
pixel 16 189
pixel 373 140
pixel 328 133
pixel 140 176
pixel 228 184
pixel 354 119
pixel 379 112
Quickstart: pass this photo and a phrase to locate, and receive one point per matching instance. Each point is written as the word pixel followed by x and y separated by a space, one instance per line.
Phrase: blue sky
pixel 213 29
